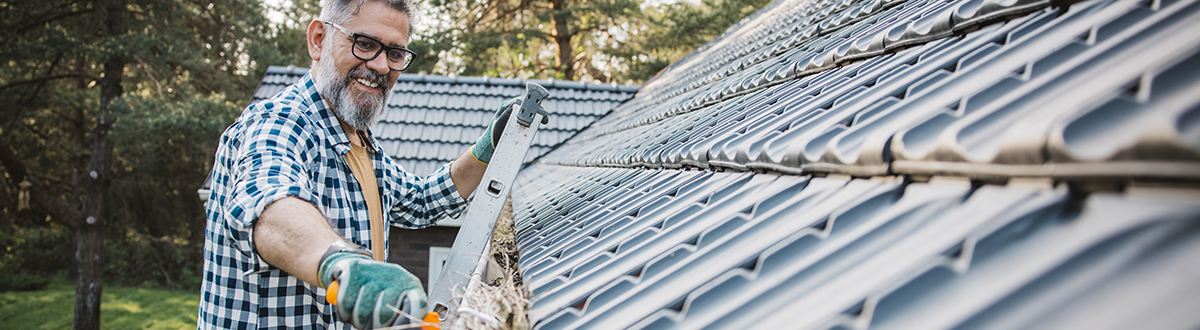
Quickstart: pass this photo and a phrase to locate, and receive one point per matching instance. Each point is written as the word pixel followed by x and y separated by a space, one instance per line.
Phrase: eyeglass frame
pixel 382 47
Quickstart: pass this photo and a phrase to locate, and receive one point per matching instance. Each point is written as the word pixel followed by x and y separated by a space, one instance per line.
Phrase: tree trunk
pixel 89 284
pixel 88 254
pixel 73 268
pixel 80 205
pixel 562 38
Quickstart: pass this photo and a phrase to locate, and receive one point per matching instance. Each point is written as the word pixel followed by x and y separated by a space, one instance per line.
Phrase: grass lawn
pixel 120 308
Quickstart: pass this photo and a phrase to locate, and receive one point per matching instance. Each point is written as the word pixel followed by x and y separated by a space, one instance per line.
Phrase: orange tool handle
pixel 331 293
pixel 431 322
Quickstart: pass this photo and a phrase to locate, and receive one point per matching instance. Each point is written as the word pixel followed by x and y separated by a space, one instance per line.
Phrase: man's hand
pixel 369 294
pixel 486 144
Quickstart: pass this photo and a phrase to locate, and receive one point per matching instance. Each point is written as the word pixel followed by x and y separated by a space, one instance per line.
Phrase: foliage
pixel 519 38
pixel 677 29
pixel 113 112
pixel 163 160
pixel 610 40
pixel 167 76
pixel 22 282
pixel 183 56
pixel 123 308
pixel 37 251
pixel 286 44
pixel 140 260
pixel 134 259
pixel 428 55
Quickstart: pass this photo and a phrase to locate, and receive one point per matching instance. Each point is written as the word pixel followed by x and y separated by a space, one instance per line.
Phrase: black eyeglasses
pixel 363 46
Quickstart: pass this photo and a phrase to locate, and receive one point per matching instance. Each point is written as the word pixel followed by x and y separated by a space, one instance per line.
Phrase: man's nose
pixel 379 64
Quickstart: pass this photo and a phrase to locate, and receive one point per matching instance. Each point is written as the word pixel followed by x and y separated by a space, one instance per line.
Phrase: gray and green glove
pixel 368 293
pixel 486 144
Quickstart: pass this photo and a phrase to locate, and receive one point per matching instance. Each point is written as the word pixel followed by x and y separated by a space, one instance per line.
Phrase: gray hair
pixel 343 11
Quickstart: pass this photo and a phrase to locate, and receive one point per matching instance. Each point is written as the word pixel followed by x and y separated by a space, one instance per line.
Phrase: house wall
pixel 410 248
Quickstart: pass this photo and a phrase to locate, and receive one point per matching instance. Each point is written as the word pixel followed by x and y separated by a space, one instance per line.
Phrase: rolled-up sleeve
pixel 269 164
pixel 424 200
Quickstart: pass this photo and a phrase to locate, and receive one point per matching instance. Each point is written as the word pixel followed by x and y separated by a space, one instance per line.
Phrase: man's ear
pixel 316 39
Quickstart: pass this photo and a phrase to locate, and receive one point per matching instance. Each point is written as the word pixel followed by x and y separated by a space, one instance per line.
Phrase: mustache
pixel 368 75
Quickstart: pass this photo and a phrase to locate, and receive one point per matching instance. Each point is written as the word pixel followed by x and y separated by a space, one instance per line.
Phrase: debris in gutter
pixel 501 302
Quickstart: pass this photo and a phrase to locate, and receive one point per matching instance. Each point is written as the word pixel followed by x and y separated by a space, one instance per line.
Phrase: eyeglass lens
pixel 367 49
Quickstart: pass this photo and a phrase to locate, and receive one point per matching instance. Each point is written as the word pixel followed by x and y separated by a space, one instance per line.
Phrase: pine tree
pixel 120 99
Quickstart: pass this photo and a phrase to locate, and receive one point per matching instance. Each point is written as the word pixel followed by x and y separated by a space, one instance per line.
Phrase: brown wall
pixel 410 248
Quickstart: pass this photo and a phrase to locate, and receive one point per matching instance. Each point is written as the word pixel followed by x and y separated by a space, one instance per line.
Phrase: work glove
pixel 367 293
pixel 486 144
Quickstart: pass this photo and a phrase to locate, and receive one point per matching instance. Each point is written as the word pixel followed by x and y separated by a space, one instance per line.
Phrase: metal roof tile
pixel 913 88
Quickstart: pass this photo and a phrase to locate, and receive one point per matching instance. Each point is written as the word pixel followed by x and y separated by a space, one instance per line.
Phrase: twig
pixel 146 68
pixel 47 78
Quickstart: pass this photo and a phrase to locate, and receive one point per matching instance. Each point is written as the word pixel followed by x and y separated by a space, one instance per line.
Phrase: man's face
pixel 358 90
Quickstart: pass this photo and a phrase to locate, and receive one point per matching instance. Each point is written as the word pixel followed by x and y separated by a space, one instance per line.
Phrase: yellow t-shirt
pixel 359 160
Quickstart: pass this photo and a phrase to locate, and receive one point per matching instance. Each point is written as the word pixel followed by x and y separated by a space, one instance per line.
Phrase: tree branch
pixel 146 68
pixel 46 78
pixel 14 165
pixel 36 91
pixel 35 132
pixel 47 177
pixel 52 18
pixel 17 172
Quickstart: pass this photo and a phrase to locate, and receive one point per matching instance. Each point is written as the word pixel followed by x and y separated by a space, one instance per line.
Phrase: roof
pixel 906 164
pixel 432 119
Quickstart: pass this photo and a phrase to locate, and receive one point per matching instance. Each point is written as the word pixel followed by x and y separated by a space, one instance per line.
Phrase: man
pixel 299 184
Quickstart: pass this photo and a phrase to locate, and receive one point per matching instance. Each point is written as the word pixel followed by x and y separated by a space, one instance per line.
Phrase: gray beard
pixel 360 113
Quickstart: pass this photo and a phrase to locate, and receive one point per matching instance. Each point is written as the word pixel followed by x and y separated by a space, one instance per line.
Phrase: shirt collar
pixel 340 139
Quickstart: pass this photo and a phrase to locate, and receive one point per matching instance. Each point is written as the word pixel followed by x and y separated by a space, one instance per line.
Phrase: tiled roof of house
pixel 887 164
pixel 432 119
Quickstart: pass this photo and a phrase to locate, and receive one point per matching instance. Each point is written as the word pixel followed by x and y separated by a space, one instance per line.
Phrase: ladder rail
pixel 488 200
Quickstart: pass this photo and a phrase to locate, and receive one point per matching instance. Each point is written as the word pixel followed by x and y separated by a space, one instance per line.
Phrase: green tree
pixel 523 38
pixel 610 40
pixel 286 43
pixel 113 109
pixel 675 30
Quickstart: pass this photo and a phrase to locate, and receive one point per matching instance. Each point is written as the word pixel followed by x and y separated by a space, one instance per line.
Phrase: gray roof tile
pixel 891 164
pixel 439 109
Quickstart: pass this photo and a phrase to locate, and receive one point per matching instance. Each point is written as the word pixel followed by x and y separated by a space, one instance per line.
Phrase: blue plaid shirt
pixel 292 145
